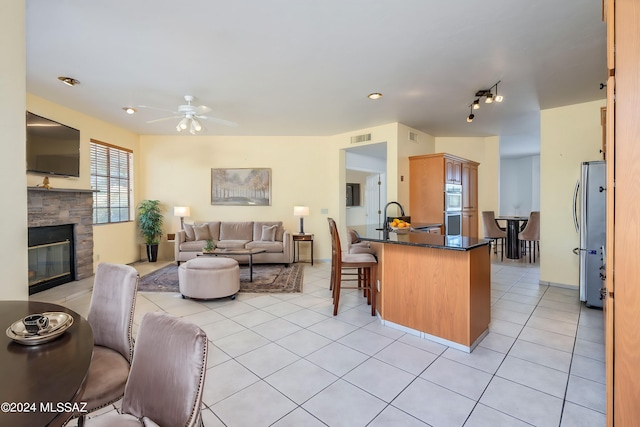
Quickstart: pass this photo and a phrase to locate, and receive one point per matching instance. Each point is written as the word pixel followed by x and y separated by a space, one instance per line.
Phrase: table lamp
pixel 181 211
pixel 301 211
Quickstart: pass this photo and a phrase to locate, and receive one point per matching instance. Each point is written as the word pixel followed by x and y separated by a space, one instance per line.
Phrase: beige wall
pixel 406 148
pixel 13 251
pixel 177 171
pixel 116 243
pixel 486 152
pixel 568 136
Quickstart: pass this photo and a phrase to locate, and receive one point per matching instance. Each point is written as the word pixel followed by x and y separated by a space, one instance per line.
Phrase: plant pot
pixel 152 253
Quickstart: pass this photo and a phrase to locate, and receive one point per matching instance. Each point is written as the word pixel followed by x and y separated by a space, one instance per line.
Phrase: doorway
pixel 366 167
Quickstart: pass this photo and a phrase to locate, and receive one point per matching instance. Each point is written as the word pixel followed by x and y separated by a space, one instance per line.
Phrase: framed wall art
pixel 241 187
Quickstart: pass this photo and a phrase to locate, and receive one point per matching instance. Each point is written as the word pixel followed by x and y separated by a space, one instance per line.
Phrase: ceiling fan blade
pixel 219 121
pixel 203 109
pixel 165 118
pixel 159 109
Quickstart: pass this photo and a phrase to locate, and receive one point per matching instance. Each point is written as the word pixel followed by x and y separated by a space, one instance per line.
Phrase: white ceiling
pixel 302 67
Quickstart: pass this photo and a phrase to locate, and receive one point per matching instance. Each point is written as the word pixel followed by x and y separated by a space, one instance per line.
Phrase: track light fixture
pixel 489 98
pixel 471 115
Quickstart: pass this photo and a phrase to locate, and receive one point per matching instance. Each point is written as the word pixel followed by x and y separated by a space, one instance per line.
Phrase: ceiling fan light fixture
pixel 184 123
pixel 69 81
pixel 196 125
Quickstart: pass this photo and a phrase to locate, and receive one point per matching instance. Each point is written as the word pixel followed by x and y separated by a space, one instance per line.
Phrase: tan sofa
pixel 271 236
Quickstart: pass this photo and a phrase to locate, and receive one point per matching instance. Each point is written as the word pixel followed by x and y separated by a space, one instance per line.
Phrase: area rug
pixel 266 278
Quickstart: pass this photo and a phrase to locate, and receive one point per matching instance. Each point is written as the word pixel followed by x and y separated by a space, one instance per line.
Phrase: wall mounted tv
pixel 52 148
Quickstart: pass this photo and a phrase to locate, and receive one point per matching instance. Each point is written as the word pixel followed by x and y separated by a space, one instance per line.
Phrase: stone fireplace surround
pixel 66 206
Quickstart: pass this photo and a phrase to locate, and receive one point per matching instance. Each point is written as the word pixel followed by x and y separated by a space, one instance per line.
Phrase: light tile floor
pixel 284 360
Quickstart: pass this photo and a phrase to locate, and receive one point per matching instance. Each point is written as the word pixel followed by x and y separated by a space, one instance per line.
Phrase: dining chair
pixel 167 376
pixel 365 263
pixel 531 234
pixel 111 318
pixel 493 232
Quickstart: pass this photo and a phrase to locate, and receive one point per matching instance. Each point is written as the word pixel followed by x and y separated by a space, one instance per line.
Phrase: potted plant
pixel 150 223
pixel 209 247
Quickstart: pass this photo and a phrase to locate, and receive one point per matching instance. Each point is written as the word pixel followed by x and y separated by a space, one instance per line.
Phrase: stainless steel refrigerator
pixel 590 207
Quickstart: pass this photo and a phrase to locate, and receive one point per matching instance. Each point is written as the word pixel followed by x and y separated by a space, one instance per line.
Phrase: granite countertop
pixel 415 237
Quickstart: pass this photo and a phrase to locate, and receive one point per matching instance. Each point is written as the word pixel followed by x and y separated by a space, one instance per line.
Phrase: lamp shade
pixel 181 211
pixel 300 210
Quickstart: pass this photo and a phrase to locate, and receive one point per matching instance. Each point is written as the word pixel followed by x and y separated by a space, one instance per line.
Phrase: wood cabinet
pixel 443 293
pixel 427 178
pixel 470 186
pixel 622 300
pixel 470 223
pixel 453 170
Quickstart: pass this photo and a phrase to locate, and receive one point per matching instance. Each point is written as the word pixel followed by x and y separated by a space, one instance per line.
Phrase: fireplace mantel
pixel 65 190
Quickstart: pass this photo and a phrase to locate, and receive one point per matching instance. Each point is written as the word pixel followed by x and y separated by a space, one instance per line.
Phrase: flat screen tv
pixel 52 148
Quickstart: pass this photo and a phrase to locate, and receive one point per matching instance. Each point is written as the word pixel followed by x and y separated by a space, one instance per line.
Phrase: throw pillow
pixel 189 232
pixel 268 233
pixel 202 232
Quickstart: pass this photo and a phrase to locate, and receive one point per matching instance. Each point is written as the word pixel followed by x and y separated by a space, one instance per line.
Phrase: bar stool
pixel 366 264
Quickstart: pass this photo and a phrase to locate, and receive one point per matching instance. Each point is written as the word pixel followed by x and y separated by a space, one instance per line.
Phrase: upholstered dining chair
pixel 167 376
pixel 531 234
pixel 493 232
pixel 357 246
pixel 365 263
pixel 111 319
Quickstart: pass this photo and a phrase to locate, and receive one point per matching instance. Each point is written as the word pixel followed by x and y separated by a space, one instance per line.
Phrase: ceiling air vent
pixel 413 136
pixel 361 138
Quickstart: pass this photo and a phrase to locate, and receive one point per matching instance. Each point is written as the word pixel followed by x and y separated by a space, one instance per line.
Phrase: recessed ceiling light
pixel 374 95
pixel 130 110
pixel 69 81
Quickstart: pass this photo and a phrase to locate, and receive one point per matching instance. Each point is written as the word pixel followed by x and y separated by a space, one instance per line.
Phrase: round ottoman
pixel 209 277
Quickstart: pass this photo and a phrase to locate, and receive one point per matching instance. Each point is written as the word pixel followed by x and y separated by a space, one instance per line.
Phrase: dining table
pixel 513 229
pixel 42 383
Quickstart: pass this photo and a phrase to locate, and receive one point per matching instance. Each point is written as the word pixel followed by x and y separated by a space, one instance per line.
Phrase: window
pixel 111 176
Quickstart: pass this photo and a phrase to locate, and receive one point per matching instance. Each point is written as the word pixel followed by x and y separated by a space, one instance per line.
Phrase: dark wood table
pixel 40 383
pixel 235 252
pixel 513 229
pixel 297 238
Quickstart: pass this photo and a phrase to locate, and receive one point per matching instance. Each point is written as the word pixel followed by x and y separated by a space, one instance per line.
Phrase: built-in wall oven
pixel 453 209
pixel 453 198
pixel 453 223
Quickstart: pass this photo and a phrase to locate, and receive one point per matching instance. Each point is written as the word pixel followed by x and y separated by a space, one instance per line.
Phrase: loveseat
pixel 271 236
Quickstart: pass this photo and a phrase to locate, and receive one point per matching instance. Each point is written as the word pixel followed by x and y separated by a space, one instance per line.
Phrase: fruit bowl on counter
pixel 400 226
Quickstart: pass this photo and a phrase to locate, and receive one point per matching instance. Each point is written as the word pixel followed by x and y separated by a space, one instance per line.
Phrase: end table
pixel 297 238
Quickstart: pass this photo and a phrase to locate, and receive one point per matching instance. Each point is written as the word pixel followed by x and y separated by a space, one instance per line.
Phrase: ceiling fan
pixel 190 116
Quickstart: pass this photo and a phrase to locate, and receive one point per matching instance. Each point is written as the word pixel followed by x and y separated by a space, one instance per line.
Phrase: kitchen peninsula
pixel 437 286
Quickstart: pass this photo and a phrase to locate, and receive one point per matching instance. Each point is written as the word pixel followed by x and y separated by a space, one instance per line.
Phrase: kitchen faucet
pixel 387 226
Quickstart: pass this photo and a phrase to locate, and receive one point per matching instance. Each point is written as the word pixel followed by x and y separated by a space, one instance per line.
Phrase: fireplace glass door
pixel 49 262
